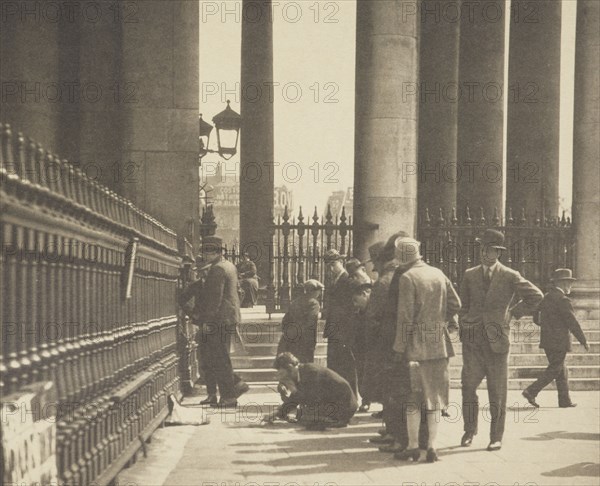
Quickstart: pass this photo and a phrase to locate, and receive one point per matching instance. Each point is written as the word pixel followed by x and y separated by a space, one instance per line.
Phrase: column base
pixel 586 300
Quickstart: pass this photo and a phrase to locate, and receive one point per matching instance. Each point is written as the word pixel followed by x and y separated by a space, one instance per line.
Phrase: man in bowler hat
pixel 488 292
pixel 557 321
pixel 219 316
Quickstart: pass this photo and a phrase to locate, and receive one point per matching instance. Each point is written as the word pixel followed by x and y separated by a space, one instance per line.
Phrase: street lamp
pixel 228 124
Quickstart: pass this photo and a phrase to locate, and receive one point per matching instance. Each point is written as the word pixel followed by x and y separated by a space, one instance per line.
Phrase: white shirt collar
pixel 492 268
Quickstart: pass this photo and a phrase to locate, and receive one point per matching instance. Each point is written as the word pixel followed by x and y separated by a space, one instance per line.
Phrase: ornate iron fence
pixel 297 253
pixel 535 248
pixel 88 303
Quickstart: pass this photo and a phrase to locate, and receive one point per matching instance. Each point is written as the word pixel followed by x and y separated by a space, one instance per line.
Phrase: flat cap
pixel 313 284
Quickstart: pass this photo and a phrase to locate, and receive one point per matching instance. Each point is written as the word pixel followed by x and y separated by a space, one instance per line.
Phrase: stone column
pixel 160 102
pixel 586 153
pixel 29 70
pixel 256 137
pixel 534 109
pixel 385 165
pixel 438 108
pixel 480 109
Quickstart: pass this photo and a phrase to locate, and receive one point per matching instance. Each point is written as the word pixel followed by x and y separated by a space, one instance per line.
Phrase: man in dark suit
pixel 557 320
pixel 219 315
pixel 299 324
pixel 340 326
pixel 324 398
pixel 488 293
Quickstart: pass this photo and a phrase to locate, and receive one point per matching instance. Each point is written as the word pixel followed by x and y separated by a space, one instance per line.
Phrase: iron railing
pixel 535 248
pixel 88 303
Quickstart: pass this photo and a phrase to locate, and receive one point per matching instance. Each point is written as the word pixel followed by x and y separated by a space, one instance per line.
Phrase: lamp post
pixel 228 124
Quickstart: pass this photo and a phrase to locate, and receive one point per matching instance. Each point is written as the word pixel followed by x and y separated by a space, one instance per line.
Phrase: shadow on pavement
pixel 561 434
pixel 580 469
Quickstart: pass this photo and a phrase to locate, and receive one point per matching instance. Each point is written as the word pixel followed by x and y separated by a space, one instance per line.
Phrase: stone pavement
pixel 548 446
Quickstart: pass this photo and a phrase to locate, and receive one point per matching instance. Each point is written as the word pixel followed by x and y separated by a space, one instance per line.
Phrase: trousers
pixel 556 370
pixel 479 362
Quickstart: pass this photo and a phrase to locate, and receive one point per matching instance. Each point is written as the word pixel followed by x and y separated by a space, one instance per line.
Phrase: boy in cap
pixel 299 324
pixel 557 321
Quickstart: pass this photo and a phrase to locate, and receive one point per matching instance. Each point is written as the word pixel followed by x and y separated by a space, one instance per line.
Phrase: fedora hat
pixel 562 274
pixel 493 238
pixel 389 250
pixel 407 250
pixel 332 256
pixel 353 264
pixel 375 251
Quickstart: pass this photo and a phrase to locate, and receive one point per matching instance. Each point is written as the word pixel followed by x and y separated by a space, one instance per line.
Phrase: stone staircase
pixel 261 336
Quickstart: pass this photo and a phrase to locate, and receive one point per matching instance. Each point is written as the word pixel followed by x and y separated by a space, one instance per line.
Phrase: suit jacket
pixel 557 318
pixel 325 390
pixel 220 303
pixel 299 324
pixel 339 322
pixel 427 301
pixel 485 316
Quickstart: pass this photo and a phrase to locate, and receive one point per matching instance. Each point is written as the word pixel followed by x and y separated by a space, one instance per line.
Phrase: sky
pixel 314 59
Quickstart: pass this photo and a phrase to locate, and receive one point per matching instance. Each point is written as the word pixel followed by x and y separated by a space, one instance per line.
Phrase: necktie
pixel 487 279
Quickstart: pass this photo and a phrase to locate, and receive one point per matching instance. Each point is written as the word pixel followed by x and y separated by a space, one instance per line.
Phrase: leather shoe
pixel 227 403
pixel 382 439
pixel 210 400
pixel 567 405
pixel 530 398
pixel 377 415
pixel 467 439
pixel 394 447
pixel 240 388
pixel 495 445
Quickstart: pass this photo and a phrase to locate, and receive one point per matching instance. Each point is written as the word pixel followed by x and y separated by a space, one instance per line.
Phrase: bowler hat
pixel 332 256
pixel 353 264
pixel 212 244
pixel 407 250
pixel 493 238
pixel 562 274
pixel 375 251
pixel 313 284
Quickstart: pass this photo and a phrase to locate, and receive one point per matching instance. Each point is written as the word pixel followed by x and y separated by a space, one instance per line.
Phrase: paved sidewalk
pixel 550 446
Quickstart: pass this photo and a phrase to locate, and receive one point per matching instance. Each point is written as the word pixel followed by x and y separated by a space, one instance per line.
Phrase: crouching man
pixel 323 398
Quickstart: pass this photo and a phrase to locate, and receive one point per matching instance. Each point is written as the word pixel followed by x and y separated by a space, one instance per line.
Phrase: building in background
pixel 339 200
pixel 224 194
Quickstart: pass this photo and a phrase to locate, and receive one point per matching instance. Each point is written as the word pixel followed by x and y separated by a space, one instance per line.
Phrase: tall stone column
pixel 29 71
pixel 159 101
pixel 586 153
pixel 480 109
pixel 256 137
pixel 385 165
pixel 534 109
pixel 438 106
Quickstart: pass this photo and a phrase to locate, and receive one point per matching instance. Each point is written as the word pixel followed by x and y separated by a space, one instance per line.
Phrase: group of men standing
pixel 389 339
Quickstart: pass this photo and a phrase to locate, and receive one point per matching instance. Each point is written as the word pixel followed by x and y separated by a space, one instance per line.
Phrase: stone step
pixel 529 373
pixel 525 325
pixel 269 348
pixel 575 384
pixel 516 360
pixel 273 335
